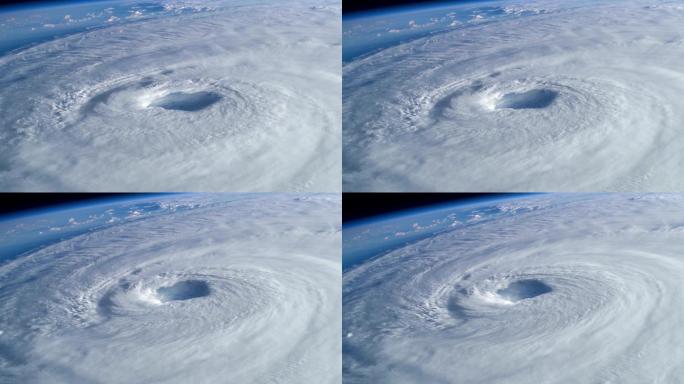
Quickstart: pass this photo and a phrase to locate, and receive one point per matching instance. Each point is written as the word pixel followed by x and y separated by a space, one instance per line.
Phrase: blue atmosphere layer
pixel 26 25
pixel 368 238
pixel 369 32
pixel 26 231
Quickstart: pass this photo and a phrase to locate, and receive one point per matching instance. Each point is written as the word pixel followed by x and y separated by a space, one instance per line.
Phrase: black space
pixel 7 3
pixel 350 6
pixel 17 202
pixel 356 206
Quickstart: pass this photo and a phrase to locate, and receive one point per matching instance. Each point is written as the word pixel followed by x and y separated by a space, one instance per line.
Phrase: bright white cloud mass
pixel 547 289
pixel 176 289
pixel 516 96
pixel 229 95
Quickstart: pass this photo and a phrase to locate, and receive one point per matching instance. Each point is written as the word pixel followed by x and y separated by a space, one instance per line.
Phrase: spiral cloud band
pixel 191 289
pixel 239 96
pixel 551 289
pixel 511 96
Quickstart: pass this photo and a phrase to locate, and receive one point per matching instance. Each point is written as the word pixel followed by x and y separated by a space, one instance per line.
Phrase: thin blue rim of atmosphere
pixel 406 8
pixel 49 4
pixel 82 204
pixel 435 207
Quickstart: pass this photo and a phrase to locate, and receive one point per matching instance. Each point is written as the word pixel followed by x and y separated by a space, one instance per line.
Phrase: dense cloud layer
pixel 547 95
pixel 579 289
pixel 215 289
pixel 236 97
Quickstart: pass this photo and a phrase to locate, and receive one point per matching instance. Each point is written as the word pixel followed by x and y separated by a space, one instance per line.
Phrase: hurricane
pixel 515 96
pixel 173 96
pixel 174 289
pixel 552 289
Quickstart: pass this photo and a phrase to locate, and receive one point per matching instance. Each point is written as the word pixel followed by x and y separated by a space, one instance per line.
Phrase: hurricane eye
pixel 188 102
pixel 534 99
pixel 523 289
pixel 183 290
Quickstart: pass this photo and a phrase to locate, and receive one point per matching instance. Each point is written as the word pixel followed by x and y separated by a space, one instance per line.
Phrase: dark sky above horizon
pixel 348 6
pixel 358 206
pixel 12 203
pixel 12 3
pixel 352 6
